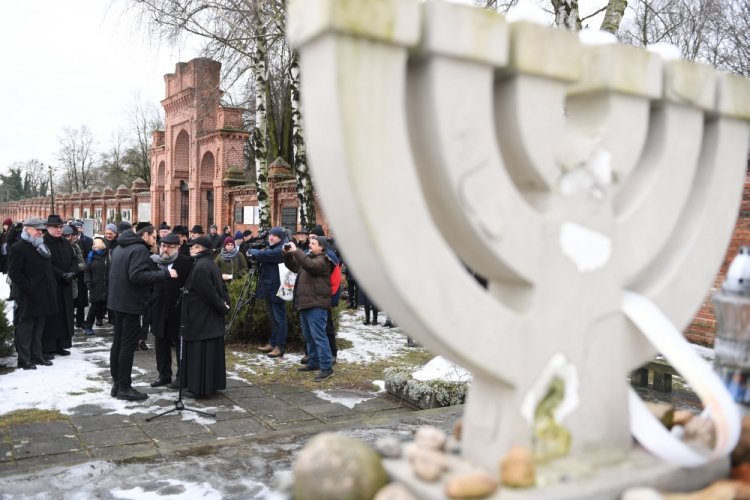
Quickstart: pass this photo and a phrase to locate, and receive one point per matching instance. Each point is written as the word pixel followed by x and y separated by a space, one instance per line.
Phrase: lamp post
pixel 52 190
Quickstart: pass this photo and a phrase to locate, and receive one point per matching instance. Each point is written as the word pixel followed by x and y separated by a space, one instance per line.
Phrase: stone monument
pixel 567 174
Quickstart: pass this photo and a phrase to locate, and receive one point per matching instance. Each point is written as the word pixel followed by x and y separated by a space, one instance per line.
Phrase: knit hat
pixel 324 242
pixel 277 231
pixel 228 239
pixel 110 227
pixel 239 236
pixel 8 222
pixel 317 230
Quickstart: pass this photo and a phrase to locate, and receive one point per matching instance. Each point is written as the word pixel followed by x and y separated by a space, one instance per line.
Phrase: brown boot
pixel 276 353
pixel 266 348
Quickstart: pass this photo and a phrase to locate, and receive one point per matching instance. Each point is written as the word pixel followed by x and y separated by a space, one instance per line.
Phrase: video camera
pixel 258 242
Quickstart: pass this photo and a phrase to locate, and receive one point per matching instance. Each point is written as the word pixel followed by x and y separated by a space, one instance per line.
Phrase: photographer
pixel 269 284
pixel 312 296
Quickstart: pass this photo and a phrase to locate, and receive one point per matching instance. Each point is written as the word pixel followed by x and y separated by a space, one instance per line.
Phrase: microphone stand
pixel 179 405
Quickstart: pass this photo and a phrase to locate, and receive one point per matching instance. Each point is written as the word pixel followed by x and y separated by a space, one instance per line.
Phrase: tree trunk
pixel 613 16
pixel 273 138
pixel 260 134
pixel 304 186
pixel 566 14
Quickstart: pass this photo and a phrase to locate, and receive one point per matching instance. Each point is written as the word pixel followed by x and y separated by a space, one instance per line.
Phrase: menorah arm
pixel 678 278
pixel 359 150
pixel 473 200
pixel 648 204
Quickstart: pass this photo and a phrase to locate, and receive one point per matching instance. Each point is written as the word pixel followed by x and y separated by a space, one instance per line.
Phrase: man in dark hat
pixel 182 232
pixel 146 320
pixel 196 232
pixel 318 231
pixel 216 240
pixel 207 299
pixel 164 229
pixel 124 226
pixel 30 269
pixel 304 242
pixel 85 244
pixel 130 278
pixel 165 317
pixel 269 284
pixel 58 327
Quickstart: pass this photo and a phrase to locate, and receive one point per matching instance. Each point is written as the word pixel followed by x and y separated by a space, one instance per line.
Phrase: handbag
pixel 288 279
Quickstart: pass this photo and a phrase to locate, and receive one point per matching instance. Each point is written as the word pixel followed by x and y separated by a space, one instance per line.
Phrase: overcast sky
pixel 73 63
pixel 70 63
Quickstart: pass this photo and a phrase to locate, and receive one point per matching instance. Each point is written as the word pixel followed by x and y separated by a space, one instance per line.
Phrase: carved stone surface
pixel 563 173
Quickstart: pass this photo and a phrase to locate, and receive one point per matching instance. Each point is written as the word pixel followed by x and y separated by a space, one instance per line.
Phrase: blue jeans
pixel 278 309
pixel 314 329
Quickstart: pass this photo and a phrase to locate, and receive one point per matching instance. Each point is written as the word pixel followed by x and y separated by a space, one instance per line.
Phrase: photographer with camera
pixel 268 285
pixel 312 296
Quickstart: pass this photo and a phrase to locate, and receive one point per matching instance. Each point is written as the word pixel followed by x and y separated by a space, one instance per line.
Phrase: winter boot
pixel 367 315
pixel 266 348
pixel 374 316
pixel 276 353
pixel 88 328
pixel 410 342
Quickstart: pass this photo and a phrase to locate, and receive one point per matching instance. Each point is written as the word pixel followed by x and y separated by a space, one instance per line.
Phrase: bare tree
pixel 145 118
pixel 77 158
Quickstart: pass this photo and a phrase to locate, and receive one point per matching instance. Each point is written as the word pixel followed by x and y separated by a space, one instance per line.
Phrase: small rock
pixel 517 468
pixel 429 464
pixel 394 491
pixel 457 428
pixel 452 445
pixel 681 417
pixel 284 481
pixel 742 452
pixel 701 430
pixel 663 412
pixel 678 431
pixel 741 472
pixel 430 437
pixel 388 447
pixel 641 494
pixel 472 485
pixel 333 466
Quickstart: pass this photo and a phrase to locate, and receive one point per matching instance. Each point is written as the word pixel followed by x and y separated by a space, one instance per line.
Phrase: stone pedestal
pixel 596 476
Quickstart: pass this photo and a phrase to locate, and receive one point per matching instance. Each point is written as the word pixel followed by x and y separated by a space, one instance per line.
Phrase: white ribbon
pixel 645 427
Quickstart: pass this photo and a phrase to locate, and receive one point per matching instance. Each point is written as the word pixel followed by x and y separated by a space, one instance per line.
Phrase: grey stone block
pixel 375 405
pixel 238 427
pixel 45 446
pixel 245 391
pixel 279 416
pixel 40 430
pixel 45 461
pixel 283 389
pixel 257 404
pixel 101 422
pixel 171 426
pixel 114 437
pixel 6 453
pixel 639 377
pixel 321 410
pixel 662 382
pixel 141 450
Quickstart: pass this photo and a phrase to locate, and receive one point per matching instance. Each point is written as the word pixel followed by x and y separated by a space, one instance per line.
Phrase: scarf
pixel 38 243
pixel 227 256
pixel 91 254
pixel 162 262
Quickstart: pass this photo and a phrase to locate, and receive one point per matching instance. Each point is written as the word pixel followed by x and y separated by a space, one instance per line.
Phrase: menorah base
pixel 589 477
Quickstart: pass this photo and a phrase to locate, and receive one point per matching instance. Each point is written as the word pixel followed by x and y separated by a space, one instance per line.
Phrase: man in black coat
pixel 217 242
pixel 30 269
pixel 206 303
pixel 182 233
pixel 58 328
pixel 130 278
pixel 165 316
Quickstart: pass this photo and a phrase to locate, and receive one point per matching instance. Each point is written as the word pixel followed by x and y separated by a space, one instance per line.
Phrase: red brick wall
pixel 702 329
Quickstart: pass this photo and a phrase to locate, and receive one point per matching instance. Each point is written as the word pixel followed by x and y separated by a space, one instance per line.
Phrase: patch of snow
pixel 380 384
pixel 666 51
pixel 704 352
pixel 527 10
pixel 190 491
pixel 348 401
pixel 596 37
pixel 370 342
pixel 589 250
pixel 440 368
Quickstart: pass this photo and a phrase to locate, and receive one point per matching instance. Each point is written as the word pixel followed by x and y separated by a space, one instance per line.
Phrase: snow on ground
pixel 348 400
pixel 440 368
pixel 173 489
pixel 371 342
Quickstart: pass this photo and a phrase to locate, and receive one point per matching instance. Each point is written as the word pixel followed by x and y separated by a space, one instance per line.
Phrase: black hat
pixel 317 230
pixel 141 225
pixel 171 239
pixel 202 241
pixel 53 220
pixel 197 229
pixel 303 231
pixel 180 230
pixel 124 226
pixel 247 233
pixel 164 225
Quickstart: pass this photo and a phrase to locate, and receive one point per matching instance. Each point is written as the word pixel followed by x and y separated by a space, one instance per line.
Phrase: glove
pixel 69 277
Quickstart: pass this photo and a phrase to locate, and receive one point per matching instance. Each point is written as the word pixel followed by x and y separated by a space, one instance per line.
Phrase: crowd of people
pixel 173 282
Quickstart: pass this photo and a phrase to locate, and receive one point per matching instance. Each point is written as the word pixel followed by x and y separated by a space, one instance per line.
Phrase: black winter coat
pixel 131 276
pixel 33 281
pixel 204 304
pixel 64 260
pixel 96 276
pixel 165 317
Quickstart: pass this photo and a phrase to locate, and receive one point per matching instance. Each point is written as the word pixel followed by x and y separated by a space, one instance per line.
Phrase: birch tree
pixel 304 185
pixel 260 136
pixel 77 156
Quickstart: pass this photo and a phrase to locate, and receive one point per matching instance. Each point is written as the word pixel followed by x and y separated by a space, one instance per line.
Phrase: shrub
pixel 7 336
pixel 259 326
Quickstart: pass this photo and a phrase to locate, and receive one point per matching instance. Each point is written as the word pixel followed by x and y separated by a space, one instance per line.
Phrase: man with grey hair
pixel 30 269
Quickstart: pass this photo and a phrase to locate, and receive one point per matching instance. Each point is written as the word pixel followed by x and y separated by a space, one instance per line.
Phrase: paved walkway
pixel 96 431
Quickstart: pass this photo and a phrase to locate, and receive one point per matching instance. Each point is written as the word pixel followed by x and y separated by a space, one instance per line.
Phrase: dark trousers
pixel 163 347
pixel 124 345
pixel 29 339
pixel 96 311
pixel 353 291
pixel 146 323
pixel 374 314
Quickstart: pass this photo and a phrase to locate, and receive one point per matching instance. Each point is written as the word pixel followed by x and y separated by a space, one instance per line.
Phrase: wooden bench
pixel 662 371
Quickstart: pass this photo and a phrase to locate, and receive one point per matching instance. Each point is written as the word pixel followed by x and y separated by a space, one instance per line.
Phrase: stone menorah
pixel 442 136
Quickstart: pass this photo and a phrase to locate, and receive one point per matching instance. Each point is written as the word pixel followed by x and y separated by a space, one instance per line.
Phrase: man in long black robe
pixel 58 328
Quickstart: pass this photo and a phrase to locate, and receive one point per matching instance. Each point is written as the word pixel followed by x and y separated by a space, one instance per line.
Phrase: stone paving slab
pixel 283 416
pixel 238 427
pixel 141 450
pixel 6 452
pixel 166 428
pixel 245 391
pixel 102 422
pixel 49 460
pixel 40 430
pixel 46 446
pixel 113 437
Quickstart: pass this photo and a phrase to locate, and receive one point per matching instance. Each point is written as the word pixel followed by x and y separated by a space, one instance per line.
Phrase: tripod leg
pixel 161 414
pixel 201 412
